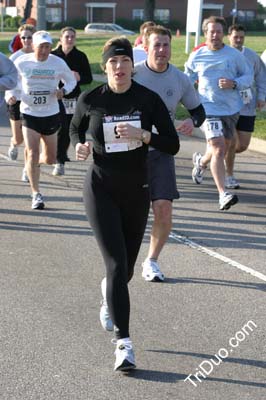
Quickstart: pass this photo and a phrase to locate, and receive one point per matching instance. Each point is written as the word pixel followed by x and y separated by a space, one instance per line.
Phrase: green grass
pixel 92 46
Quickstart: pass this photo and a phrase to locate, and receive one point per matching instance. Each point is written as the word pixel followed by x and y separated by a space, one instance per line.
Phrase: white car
pixel 97 27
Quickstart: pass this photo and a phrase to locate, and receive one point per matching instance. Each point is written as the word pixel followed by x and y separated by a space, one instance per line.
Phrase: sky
pixel 263 2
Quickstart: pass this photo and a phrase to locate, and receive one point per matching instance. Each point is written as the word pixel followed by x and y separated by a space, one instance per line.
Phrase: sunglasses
pixel 26 37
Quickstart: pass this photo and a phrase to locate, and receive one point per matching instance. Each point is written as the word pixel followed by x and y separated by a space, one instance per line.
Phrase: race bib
pixel 70 105
pixel 213 128
pixel 246 95
pixel 38 97
pixel 113 142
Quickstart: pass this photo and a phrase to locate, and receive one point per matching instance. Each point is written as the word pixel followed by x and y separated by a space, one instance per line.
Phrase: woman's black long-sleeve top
pixel 93 105
pixel 77 61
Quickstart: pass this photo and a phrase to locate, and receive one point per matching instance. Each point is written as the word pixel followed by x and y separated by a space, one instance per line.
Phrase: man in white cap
pixel 39 74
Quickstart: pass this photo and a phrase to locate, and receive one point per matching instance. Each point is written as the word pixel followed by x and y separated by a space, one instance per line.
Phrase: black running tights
pixel 117 207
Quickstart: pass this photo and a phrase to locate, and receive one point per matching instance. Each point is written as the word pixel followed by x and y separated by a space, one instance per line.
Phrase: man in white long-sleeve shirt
pixel 39 74
pixel 8 76
pixel 253 97
pixel 221 72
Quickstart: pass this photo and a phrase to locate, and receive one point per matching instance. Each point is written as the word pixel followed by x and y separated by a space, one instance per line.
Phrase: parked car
pixel 107 28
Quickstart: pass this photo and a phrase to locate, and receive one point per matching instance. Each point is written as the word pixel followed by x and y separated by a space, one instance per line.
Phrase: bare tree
pixel 27 9
pixel 149 7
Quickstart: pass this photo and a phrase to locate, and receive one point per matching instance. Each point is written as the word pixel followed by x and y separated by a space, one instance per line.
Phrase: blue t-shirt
pixel 207 67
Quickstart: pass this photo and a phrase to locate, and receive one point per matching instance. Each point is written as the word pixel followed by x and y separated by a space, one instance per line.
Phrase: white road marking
pixel 226 260
pixel 5 157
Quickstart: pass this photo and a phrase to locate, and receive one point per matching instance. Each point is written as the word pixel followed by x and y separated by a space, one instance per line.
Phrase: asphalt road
pixel 199 335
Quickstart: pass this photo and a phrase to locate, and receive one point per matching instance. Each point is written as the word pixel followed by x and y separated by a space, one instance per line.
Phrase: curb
pixel 257 145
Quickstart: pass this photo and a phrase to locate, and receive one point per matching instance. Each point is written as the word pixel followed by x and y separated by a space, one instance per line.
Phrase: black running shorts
pixel 43 125
pixel 246 123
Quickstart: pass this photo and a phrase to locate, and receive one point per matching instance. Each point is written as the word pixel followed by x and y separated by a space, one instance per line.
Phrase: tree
pixel 27 9
pixel 149 7
pixel 261 9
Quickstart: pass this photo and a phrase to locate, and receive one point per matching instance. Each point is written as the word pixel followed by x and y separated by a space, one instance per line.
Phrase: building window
pixel 54 1
pixel 245 15
pixel 53 14
pixel 162 14
pixel 138 13
pixel 159 14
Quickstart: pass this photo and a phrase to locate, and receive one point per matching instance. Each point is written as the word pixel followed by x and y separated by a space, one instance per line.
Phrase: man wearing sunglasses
pixel 39 75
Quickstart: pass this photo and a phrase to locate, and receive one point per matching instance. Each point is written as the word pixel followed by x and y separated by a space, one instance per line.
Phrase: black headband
pixel 117 50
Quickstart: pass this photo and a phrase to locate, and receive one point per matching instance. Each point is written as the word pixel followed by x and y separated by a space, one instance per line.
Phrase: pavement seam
pixel 190 243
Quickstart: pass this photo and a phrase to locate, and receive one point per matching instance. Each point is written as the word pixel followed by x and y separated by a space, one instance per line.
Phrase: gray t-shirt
pixel 172 85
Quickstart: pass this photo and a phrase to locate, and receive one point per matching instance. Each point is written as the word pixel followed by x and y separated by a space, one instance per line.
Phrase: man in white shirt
pixel 139 53
pixel 39 74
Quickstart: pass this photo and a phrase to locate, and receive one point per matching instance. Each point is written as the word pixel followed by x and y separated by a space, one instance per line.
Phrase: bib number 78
pixel 213 128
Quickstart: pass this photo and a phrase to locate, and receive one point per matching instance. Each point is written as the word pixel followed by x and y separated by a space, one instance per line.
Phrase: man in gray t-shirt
pixel 174 87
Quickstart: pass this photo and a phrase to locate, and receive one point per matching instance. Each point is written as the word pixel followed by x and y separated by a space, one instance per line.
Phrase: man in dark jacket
pixel 79 64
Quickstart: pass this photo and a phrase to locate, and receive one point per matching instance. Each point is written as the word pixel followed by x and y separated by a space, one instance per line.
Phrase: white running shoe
pixel 231 183
pixel 12 153
pixel 151 271
pixel 37 202
pixel 59 170
pixel 105 318
pixel 125 359
pixel 198 170
pixel 24 176
pixel 227 200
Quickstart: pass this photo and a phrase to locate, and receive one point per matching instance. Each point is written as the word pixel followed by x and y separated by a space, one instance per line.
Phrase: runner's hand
pixel 260 104
pixel 186 127
pixel 59 93
pixel 12 100
pixel 225 83
pixel 83 151
pixel 77 75
pixel 125 130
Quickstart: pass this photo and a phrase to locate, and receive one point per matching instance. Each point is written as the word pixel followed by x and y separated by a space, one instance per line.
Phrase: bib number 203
pixel 37 100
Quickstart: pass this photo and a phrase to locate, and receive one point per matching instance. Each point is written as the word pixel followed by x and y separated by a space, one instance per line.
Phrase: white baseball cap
pixel 41 37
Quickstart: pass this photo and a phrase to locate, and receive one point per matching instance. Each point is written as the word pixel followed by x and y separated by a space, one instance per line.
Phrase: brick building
pixel 104 11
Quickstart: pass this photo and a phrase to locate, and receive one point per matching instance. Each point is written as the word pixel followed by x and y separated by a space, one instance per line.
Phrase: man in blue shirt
pixel 221 72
